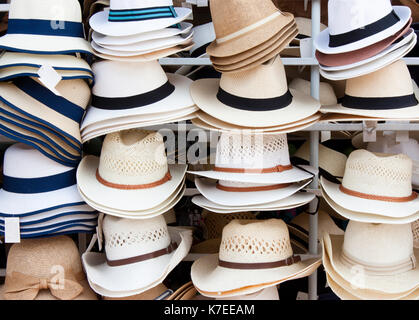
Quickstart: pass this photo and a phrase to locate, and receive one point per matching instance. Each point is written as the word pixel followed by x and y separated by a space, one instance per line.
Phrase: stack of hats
pixel 140 31
pixel 252 173
pixel 253 92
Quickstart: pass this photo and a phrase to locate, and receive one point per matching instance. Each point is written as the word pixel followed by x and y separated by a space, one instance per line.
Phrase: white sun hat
pixel 374 184
pixel 132 166
pixel 45 27
pixel 253 255
pixel 356 24
pixel 138 254
pixel 130 17
pixel 254 158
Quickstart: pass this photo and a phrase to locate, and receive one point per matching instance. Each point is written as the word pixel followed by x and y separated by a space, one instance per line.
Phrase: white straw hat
pixel 132 166
pixel 139 254
pixel 45 27
pixel 253 255
pixel 355 24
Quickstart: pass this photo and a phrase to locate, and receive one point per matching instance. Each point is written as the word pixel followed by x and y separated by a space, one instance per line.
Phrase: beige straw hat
pixel 45 269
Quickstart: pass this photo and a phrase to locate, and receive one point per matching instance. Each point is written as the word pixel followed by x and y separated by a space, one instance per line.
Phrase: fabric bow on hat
pixel 19 286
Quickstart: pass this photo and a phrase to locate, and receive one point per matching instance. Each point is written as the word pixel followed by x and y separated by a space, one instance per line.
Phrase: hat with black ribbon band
pixel 379 103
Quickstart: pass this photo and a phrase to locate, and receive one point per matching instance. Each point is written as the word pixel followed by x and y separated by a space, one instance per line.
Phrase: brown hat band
pixel 252 189
pixel 278 168
pixel 357 194
pixel 264 265
pixel 166 178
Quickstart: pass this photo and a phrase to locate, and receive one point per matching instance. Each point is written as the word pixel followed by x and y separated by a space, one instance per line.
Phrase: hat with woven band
pixel 374 184
pixel 45 269
pixel 356 24
pixel 382 253
pixel 55 24
pixel 132 165
pixel 247 99
pixel 376 95
pixel 243 25
pixel 253 255
pixel 139 254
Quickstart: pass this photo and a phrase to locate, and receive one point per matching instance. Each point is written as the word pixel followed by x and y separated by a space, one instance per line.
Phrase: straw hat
pixel 139 254
pixel 383 254
pixel 243 25
pixel 376 95
pixel 55 24
pixel 327 94
pixel 415 230
pixel 152 294
pixel 256 98
pixel 356 24
pixel 253 255
pixel 45 269
pixel 132 165
pixel 270 293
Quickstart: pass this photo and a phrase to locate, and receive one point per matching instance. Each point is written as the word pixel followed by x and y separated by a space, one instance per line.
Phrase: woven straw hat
pixel 255 98
pixel 45 269
pixel 139 254
pixel 374 184
pixel 132 165
pixel 376 257
pixel 253 255
pixel 327 94
pixel 243 25
pixel 55 24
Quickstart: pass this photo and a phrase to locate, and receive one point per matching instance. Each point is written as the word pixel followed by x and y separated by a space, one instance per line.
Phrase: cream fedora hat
pixel 45 27
pixel 383 253
pixel 139 254
pixel 356 24
pixel 129 17
pixel 374 184
pixel 376 95
pixel 253 255
pixel 132 165
pixel 254 158
pixel 256 98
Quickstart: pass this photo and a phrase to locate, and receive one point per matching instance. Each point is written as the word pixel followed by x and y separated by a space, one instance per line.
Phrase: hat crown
pixel 247 241
pixel 127 238
pixel 327 94
pixel 45 258
pixel 214 222
pixel 54 10
pixel 133 157
pixel 265 81
pixel 252 151
pixel 378 244
pixel 76 91
pixel 378 174
pixel 347 15
pixel 138 4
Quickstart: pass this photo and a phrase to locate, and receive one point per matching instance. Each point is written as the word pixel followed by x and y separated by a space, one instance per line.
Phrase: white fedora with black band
pixel 355 24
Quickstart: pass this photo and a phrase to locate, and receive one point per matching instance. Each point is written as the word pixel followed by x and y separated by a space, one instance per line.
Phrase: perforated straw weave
pixel 415 230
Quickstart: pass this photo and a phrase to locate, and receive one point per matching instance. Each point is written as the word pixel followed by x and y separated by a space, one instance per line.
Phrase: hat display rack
pixel 317 132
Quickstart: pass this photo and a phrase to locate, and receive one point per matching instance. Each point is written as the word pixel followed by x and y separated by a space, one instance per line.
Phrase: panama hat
pixel 125 17
pixel 155 293
pixel 55 24
pixel 304 28
pixel 350 29
pixel 387 266
pixel 244 265
pixel 242 25
pixel 374 184
pixel 143 260
pixel 270 293
pixel 140 154
pixel 376 95
pixel 45 269
pixel 327 94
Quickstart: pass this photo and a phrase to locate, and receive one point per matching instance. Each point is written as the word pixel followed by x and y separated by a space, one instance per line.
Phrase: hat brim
pixel 204 94
pixel 24 71
pixel 322 40
pixel 135 277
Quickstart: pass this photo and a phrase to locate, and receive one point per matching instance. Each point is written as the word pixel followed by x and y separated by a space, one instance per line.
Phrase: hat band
pixel 357 194
pixel 45 96
pixel 142 14
pixel 278 168
pixel 137 101
pixel 264 265
pixel 40 185
pixel 401 267
pixel 55 28
pixel 249 104
pixel 253 189
pixel 364 32
pixel 388 103
pixel 148 256
pixel 166 178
